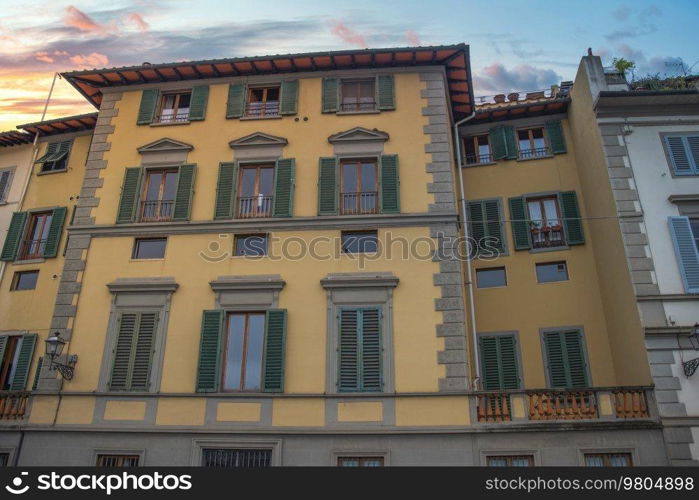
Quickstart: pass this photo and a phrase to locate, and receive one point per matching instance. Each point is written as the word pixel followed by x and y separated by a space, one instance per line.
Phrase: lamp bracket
pixel 690 367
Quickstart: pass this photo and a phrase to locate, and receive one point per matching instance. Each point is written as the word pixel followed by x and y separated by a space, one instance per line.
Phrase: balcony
pixel 32 249
pixel 529 154
pixel 13 405
pixel 262 109
pixel 482 159
pixel 546 236
pixel 156 210
pixel 354 106
pixel 172 117
pixel 365 202
pixel 252 207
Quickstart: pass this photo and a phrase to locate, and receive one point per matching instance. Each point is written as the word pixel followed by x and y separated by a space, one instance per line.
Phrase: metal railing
pixel 358 106
pixel 478 159
pixel 528 154
pixel 546 236
pixel 13 405
pixel 236 457
pixel 365 202
pixel 156 210
pixel 259 109
pixel 254 206
pixel 171 117
pixel 32 249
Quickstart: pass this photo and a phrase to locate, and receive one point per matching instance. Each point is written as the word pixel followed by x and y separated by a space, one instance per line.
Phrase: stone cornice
pixel 247 283
pixel 141 285
pixel 360 280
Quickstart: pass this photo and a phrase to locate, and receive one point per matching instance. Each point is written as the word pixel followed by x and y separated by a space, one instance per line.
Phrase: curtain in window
pixel 594 461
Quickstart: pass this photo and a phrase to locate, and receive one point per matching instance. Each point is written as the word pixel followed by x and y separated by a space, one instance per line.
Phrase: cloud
pixel 43 56
pixel 347 34
pixel 136 19
pixel 78 19
pixel 412 38
pixel 622 13
pixel 93 60
pixel 496 78
pixel 645 65
pixel 645 25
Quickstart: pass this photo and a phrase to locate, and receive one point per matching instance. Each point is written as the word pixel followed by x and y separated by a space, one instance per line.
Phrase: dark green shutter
pixel 289 97
pixel 284 188
pixel 14 236
pixel 133 351
pixel 275 340
pixel 3 344
pixel 389 181
pixel 327 186
pixel 510 142
pixel 236 100
pixel 565 358
pixel 520 223
pixel 372 379
pixel 348 351
pixel 485 221
pixel 386 92
pixel 130 194
pixel 225 190
pixel 24 361
pixel 198 102
pixel 557 141
pixel 572 223
pixel 209 368
pixel 494 224
pixel 37 373
pixel 146 111
pixel 144 345
pixel 184 192
pixel 55 229
pixel 360 350
pixel 476 223
pixel 51 149
pixel 499 362
pixel 330 97
pixel 496 137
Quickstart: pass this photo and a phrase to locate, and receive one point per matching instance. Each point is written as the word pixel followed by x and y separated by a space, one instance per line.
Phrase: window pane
pixel 359 242
pixel 266 181
pixel 349 178
pixel 255 348
pixel 497 461
pixel 694 224
pixel 26 280
pixel 273 94
pixel 488 278
pixel 551 271
pixel 368 177
pixel 236 458
pixel 521 462
pixel 149 248
pixel 46 225
pixel 14 358
pixel 366 90
pixel 534 211
pixel 620 460
pixel 153 189
pixel 234 352
pixel 251 245
pixel 594 461
pixel 247 182
pixel 170 186
pixel 550 208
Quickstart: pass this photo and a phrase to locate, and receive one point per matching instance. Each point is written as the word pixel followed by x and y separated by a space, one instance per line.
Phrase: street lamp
pixel 54 348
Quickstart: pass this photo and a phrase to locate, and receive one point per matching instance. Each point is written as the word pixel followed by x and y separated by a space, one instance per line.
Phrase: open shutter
pixel 327 186
pixel 225 189
pixel 510 142
pixel 198 102
pixel 142 355
pixel 385 92
pixel 51 149
pixel 557 141
pixel 390 184
pixel 14 236
pixel 330 95
pixel 283 188
pixel 499 362
pixel 209 366
pixel 289 97
pixel 3 344
pixel 184 192
pixel 4 184
pixel 686 251
pixel 371 350
pixel 236 100
pixel 348 351
pixel 24 361
pixel 275 340
pixel 121 358
pixel 146 111
pixel 37 373
pixel 571 218
pixel 130 193
pixel 520 223
pixel 496 137
pixel 693 145
pixel 55 229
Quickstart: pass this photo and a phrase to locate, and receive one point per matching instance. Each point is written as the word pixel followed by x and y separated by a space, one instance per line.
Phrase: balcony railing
pixel 260 109
pixel 172 117
pixel 527 154
pixel 630 403
pixel 32 249
pixel 366 202
pixel 494 407
pixel 13 405
pixel 475 159
pixel 254 206
pixel 546 236
pixel 358 106
pixel 156 210
pixel 562 405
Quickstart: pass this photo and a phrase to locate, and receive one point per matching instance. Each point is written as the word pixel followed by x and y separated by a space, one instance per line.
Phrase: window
pixel 56 157
pixel 118 460
pixel 16 353
pixel 510 461
pixel 565 359
pixel 477 150
pixel 149 248
pixel 358 95
pixel 498 355
pixel 359 241
pixel 174 107
pixel 251 245
pixel 683 153
pixel 360 350
pixel 158 196
pixel 531 143
pixel 684 232
pixel 5 183
pixel 24 280
pixel 256 187
pixel 34 244
pixel 486 228
pixel 132 355
pixel 608 459
pixel 244 348
pixel 4 459
pixel 358 187
pixel 222 457
pixel 545 222
pixel 263 101
pixel 491 277
pixel 694 226
pixel 549 272
pixel 360 461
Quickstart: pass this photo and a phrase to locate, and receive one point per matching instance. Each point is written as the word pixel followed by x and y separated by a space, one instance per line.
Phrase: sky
pixel 523 45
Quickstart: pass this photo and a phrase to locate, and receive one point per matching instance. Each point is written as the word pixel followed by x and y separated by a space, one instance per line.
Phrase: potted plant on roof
pixel 513 96
pixel 499 98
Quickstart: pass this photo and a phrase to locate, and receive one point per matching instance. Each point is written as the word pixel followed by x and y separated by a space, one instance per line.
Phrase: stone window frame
pixel 586 353
pixel 604 451
pixel 518 352
pixel 359 290
pixel 141 452
pixel 199 444
pixel 666 152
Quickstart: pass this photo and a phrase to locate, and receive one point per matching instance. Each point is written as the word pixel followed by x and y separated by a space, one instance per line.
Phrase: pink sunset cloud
pixel 93 60
pixel 412 37
pixel 348 35
pixel 78 19
pixel 136 19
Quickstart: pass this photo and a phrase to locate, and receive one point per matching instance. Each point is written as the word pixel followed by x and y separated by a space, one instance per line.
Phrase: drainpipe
pixel 469 273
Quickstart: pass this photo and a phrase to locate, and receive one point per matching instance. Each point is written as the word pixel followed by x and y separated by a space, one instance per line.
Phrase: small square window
pixel 231 457
pixel 360 461
pixel 608 460
pixel 25 280
pixel 358 95
pixel 549 272
pixel 263 101
pixel 174 107
pixel 251 245
pixel 118 460
pixel 149 248
pixel 491 277
pixel 510 461
pixel 359 241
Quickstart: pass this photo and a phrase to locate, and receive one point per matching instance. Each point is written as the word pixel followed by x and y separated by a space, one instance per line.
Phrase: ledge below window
pixel 49 172
pixel 168 124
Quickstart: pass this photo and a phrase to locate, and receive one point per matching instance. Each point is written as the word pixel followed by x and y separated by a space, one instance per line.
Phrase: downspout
pixel 469 273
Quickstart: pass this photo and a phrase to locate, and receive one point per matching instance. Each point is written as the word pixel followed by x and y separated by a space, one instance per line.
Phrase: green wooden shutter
pixel 198 102
pixel 386 92
pixel 565 359
pixel 14 236
pixel 37 373
pixel 499 362
pixel 494 224
pixel 225 190
pixel 557 141
pixel 686 251
pixel 55 229
pixel 275 340
pixel 360 350
pixel 133 351
pixel 51 149
pixel 146 111
pixel 327 186
pixel 510 142
pixel 236 100
pixel 496 137
pixel 142 356
pixel 490 363
pixel 24 361
pixel 4 184
pixel 184 192
pixel 577 367
pixel 389 182
pixel 520 223
pixel 130 194
pixel 508 362
pixel 121 357
pixel 555 359
pixel 330 95
pixel 209 368
pixel 485 221
pixel 371 350
pixel 289 97
pixel 284 188
pixel 348 351
pixel 476 225
pixel 572 223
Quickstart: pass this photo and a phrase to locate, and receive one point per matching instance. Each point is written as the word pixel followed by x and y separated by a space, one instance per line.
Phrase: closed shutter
pixel 130 193
pixel 225 189
pixel 329 96
pixel 386 92
pixel 235 107
pixel 496 138
pixel 486 221
pixel 289 97
pixel 510 142
pixel 24 361
pixel 37 373
pixel 499 362
pixel 348 351
pixel 684 154
pixel 284 188
pixel 4 184
pixel 133 351
pixel 184 192
pixel 476 225
pixel 565 357
pixel 143 351
pixel 275 340
pixel 557 141
pixel 371 350
pixel 360 350
pixel 55 229
pixel 686 251
pixel 14 236
pixel 209 367
pixel 198 102
pixel 572 223
pixel 390 184
pixel 146 111
pixel 520 223
pixel 327 186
